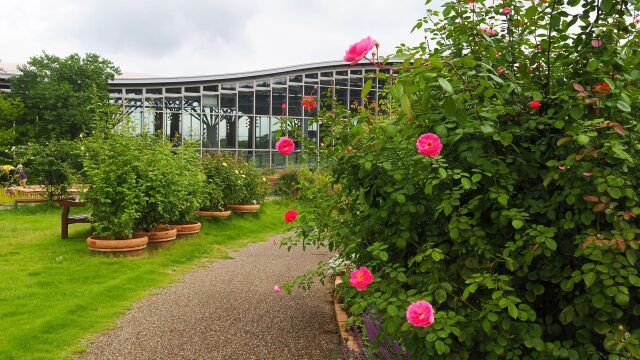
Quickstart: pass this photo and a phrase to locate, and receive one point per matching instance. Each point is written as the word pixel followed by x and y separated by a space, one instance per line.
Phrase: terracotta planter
pixel 209 214
pixel 160 237
pixel 273 181
pixel 192 227
pixel 133 246
pixel 245 208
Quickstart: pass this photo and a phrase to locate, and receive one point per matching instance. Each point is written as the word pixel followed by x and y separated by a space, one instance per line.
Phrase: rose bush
pixel 522 230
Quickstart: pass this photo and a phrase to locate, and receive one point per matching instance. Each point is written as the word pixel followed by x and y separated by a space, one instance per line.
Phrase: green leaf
pixel 551 244
pixel 576 113
pixel 476 177
pixel 502 199
pixel 466 183
pixel 517 224
pixel 366 89
pixel 566 316
pixel 605 5
pixel 634 280
pixel 445 85
pixel 589 278
pixel 405 104
pixel 513 310
pixel 582 139
pixel 440 347
pixel 623 106
pixel 614 192
pixel 598 300
pixel 440 295
pixel 392 310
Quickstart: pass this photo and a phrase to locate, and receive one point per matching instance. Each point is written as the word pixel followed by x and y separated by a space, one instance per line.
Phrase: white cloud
pixel 197 37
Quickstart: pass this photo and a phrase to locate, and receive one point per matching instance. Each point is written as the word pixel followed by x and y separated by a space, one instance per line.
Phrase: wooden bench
pixel 73 219
pixel 29 200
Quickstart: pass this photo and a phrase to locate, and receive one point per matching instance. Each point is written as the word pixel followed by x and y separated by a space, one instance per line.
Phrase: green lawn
pixel 54 292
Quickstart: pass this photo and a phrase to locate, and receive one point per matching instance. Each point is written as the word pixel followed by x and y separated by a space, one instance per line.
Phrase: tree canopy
pixel 63 97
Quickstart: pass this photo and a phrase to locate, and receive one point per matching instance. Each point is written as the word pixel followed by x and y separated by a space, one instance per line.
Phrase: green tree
pixel 63 97
pixel 10 111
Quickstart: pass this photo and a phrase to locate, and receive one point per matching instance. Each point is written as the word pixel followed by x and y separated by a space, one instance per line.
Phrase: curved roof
pixel 234 76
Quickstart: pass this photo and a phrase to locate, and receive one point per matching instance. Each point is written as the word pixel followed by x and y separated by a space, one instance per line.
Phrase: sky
pixel 203 37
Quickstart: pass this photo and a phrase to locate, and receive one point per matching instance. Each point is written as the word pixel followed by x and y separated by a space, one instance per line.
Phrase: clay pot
pixel 133 246
pixel 209 214
pixel 245 208
pixel 193 227
pixel 161 236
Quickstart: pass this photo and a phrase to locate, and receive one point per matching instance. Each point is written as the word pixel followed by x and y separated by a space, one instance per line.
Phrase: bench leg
pixel 64 228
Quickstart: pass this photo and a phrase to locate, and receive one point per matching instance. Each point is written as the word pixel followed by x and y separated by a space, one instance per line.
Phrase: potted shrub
pixel 249 189
pixel 219 170
pixel 159 190
pixel 188 189
pixel 113 169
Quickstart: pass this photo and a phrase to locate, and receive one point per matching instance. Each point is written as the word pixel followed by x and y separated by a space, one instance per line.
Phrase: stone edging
pixel 341 318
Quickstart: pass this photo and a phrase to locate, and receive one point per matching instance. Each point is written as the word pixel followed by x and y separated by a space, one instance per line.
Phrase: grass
pixel 54 293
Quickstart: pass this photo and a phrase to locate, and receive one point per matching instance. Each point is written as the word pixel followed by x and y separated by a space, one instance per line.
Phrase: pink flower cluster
pixel 489 31
pixel 505 10
pixel 309 103
pixel 419 313
pixel 285 145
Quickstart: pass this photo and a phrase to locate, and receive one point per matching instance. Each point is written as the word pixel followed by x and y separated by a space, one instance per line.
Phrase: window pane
pixel 294 106
pixel 228 103
pixel 279 81
pixel 264 83
pixel 227 131
pixel 276 131
pixel 245 102
pixel 262 159
pixel 210 88
pixel 262 132
pixel 192 103
pixel 191 126
pixel 295 78
pixel 311 91
pixel 245 132
pixel 133 91
pixel 263 102
pixel 176 90
pixel 311 130
pixel 246 85
pixel 192 89
pixel 173 125
pixel 172 103
pixel 210 103
pixel 210 130
pixel 355 98
pixel 230 86
pixel 342 96
pixel 277 160
pixel 279 97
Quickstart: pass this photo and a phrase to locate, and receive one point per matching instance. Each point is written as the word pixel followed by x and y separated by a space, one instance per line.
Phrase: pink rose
pixel 505 10
pixel 357 51
pixel 276 289
pixel 535 104
pixel 487 30
pixel 596 43
pixel 420 313
pixel 290 216
pixel 429 145
pixel 562 168
pixel 587 174
pixel 361 278
pixel 309 103
pixel 285 146
pixel 284 106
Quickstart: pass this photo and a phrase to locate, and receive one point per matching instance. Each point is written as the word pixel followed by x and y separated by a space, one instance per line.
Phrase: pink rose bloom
pixel 276 289
pixel 596 43
pixel 535 104
pixel 429 145
pixel 587 174
pixel 285 146
pixel 361 278
pixel 290 216
pixel 284 106
pixel 562 168
pixel 505 10
pixel 487 30
pixel 357 51
pixel 309 103
pixel 420 313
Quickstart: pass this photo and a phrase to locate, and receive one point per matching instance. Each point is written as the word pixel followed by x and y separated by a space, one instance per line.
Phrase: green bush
pixel 288 183
pixel 189 187
pixel 55 165
pixel 219 170
pixel 115 167
pixel 523 233
pixel 249 187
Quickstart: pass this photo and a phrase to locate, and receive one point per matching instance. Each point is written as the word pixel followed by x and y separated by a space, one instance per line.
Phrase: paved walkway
pixel 229 310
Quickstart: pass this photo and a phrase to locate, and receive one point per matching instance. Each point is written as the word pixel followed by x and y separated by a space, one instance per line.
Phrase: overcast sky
pixel 199 37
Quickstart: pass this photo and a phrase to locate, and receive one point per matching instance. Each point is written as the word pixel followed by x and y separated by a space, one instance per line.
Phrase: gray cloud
pixel 191 37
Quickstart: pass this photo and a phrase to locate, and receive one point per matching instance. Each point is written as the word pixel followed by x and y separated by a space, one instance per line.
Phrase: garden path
pixel 229 310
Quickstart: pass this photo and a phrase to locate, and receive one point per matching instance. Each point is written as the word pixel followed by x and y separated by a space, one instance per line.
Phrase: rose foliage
pixel 521 255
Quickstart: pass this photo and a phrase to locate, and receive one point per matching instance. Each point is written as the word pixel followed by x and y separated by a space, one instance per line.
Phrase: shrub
pixel 523 232
pixel 219 170
pixel 288 183
pixel 114 168
pixel 189 188
pixel 54 165
pixel 249 187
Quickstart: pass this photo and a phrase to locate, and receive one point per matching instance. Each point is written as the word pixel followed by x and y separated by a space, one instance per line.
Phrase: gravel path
pixel 229 310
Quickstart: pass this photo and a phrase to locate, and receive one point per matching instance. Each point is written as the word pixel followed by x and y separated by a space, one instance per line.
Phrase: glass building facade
pixel 241 113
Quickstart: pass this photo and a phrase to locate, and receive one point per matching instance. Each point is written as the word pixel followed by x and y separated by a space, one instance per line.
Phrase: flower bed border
pixel 341 319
